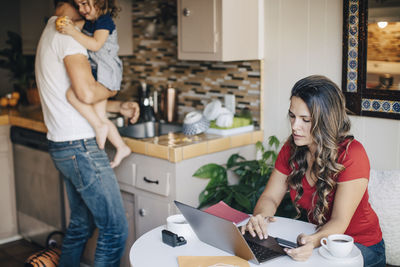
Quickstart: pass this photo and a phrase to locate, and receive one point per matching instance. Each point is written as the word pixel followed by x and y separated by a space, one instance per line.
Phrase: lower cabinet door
pixel 129 204
pixel 150 213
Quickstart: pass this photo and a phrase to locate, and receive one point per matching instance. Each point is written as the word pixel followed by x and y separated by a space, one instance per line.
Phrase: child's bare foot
pixel 122 152
pixel 101 135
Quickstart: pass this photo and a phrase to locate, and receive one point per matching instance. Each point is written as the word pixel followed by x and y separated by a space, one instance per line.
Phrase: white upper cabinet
pixel 220 30
pixel 124 26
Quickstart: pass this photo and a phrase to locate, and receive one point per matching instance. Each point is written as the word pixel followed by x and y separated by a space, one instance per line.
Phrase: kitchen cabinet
pixel 129 205
pixel 156 183
pixel 8 219
pixel 38 186
pixel 152 213
pixel 148 179
pixel 220 30
pixel 124 26
pixel 34 15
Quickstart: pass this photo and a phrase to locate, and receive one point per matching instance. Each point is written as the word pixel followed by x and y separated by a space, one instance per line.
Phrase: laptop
pixel 225 235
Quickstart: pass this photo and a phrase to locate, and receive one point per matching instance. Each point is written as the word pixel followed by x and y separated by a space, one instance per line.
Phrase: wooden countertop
pixel 173 147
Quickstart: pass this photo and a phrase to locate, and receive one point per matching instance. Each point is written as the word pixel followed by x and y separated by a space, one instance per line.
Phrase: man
pixel 93 191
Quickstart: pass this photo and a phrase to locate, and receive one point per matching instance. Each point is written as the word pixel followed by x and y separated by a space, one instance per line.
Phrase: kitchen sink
pixel 149 129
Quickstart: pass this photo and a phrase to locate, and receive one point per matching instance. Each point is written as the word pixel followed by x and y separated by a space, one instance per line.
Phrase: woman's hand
pixel 257 225
pixel 130 110
pixel 305 249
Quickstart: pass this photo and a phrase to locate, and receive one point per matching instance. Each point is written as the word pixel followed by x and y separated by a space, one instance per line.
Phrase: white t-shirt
pixel 63 121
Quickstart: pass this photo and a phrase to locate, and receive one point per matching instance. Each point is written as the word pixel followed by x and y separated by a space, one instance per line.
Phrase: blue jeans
pixel 374 256
pixel 95 201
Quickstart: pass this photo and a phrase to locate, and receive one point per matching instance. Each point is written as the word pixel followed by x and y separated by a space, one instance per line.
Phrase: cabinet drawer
pixel 154 181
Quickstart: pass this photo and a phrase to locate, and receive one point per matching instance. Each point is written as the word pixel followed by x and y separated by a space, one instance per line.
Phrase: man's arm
pixel 85 87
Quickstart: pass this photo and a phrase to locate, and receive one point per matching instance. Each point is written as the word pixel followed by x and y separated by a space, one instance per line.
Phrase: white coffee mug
pixel 338 245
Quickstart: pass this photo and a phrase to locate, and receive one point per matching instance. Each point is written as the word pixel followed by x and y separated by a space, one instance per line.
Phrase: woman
pixel 326 171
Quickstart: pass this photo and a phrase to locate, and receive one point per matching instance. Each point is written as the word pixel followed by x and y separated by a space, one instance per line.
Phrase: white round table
pixel 149 250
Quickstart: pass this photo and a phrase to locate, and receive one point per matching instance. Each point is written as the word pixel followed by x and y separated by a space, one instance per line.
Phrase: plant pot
pixel 32 94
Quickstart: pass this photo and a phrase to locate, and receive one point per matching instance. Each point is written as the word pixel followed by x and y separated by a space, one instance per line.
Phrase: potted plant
pixel 21 68
pixel 253 176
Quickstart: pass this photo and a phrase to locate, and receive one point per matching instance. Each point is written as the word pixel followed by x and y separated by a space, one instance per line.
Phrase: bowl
pixel 212 110
pixel 195 123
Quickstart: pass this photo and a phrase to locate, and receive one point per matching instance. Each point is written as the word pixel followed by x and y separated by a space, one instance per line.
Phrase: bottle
pixel 171 99
pixel 146 108
pixel 168 104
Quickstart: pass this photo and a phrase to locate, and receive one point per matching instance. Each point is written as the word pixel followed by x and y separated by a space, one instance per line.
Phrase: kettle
pixel 145 103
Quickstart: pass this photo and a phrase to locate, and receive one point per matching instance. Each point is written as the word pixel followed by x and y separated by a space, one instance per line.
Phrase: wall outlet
pixel 229 101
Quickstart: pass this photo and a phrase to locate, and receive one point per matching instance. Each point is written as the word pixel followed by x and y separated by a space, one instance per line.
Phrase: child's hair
pixel 107 6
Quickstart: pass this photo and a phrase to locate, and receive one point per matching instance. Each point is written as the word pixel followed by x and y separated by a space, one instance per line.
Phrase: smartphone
pixel 285 243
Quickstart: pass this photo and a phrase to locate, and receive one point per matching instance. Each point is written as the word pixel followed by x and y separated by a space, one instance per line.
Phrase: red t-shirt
pixel 364 226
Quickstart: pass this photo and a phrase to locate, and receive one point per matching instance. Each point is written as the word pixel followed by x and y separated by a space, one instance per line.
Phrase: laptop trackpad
pixel 270 242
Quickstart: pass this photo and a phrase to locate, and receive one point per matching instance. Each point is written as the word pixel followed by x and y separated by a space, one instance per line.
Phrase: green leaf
pixel 21 66
pixel 228 198
pixel 203 196
pixel 208 198
pixel 211 171
pixel 242 201
pixel 234 160
pixel 245 190
pixel 260 146
pixel 267 155
pixel 273 141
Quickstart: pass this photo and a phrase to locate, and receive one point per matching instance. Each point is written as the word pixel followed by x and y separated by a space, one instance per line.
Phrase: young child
pixel 99 36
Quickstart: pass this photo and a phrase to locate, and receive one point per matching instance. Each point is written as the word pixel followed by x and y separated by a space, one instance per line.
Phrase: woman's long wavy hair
pixel 330 126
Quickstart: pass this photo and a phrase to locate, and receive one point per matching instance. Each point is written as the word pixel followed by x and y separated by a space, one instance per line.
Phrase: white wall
pixel 304 37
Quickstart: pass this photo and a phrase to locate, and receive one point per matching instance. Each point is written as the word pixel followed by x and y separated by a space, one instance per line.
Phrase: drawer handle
pixel 186 12
pixel 142 212
pixel 150 181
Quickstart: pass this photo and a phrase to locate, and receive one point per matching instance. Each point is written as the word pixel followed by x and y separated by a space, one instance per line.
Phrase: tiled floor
pixel 15 253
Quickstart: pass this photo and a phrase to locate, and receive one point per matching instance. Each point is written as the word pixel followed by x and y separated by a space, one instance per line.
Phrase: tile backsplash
pixel 155 61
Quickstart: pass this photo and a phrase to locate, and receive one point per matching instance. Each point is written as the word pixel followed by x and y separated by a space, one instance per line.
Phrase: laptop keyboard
pixel 262 253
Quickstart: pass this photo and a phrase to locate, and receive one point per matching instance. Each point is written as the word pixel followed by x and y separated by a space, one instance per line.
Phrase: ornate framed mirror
pixel 371 57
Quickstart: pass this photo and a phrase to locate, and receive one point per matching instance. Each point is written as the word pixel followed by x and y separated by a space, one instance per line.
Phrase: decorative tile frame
pixel 376 105
pixel 352 47
pixel 359 100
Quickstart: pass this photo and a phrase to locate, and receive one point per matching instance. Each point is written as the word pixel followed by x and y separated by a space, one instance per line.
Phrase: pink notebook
pixel 222 210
